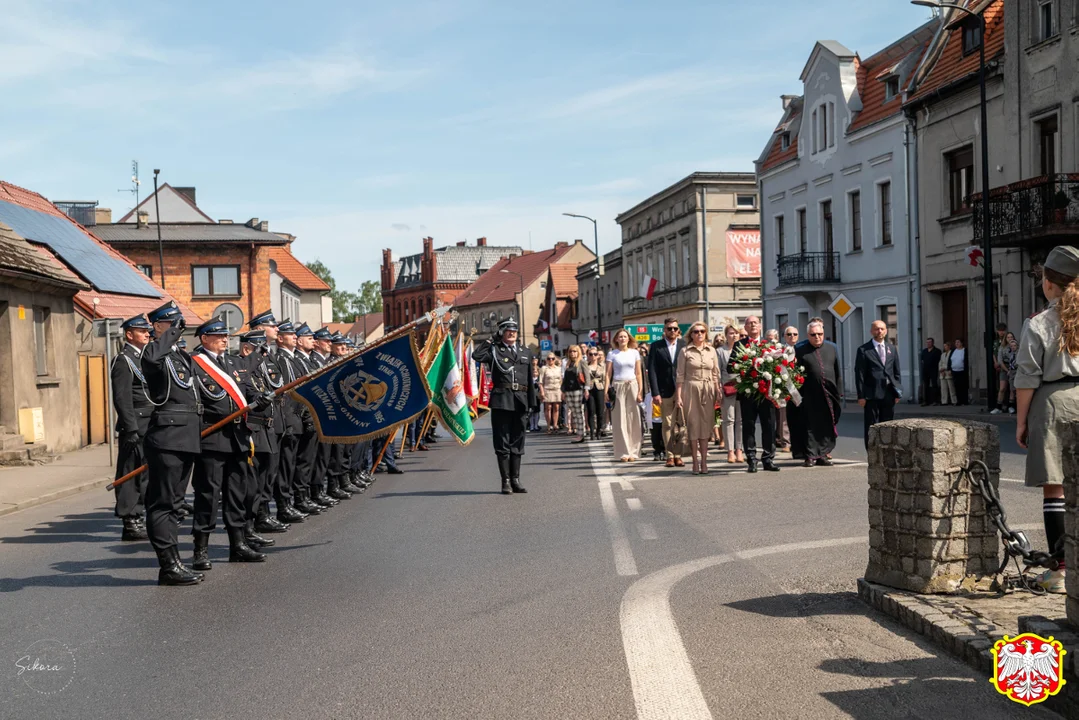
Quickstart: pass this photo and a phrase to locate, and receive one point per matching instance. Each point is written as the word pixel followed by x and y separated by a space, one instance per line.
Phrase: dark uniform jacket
pixel 291 410
pixel 511 375
pixel 873 380
pixel 265 424
pixel 218 404
pixel 174 423
pixel 133 407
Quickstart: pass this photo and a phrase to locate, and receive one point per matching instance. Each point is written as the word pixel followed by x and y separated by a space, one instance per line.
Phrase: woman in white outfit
pixel 624 379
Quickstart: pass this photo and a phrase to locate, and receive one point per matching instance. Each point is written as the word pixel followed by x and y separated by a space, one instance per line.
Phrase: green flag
pixel 448 393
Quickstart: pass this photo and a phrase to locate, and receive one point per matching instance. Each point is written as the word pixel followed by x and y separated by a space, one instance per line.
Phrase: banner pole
pixel 393 335
pixel 389 441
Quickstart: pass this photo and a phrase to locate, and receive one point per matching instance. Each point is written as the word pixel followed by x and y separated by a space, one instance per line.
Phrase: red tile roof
pixel 113 305
pixel 952 65
pixel 873 71
pixel 563 277
pixel 497 286
pixel 295 271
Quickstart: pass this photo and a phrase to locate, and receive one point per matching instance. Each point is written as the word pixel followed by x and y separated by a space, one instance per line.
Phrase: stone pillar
pixel 928 528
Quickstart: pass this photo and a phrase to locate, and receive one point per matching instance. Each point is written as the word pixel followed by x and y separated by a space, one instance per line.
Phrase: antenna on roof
pixel 135 182
pixel 529 239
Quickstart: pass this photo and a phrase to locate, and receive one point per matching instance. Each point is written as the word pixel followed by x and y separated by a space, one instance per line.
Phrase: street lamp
pixel 521 306
pixel 599 260
pixel 987 258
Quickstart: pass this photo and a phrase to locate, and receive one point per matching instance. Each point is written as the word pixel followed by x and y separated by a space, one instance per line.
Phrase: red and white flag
pixel 593 335
pixel 544 325
pixel 648 286
pixel 975 255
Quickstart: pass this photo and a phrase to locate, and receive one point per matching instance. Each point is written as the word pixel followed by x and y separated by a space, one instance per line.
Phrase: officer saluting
pixel 133 410
pixel 172 440
pixel 511 396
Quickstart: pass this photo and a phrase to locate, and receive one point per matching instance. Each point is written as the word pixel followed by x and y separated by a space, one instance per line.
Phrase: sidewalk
pixel 25 486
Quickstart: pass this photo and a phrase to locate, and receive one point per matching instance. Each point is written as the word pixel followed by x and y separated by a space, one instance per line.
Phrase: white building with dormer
pixel 834 179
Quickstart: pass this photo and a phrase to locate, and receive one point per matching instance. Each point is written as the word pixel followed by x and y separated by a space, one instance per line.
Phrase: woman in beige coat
pixel 696 390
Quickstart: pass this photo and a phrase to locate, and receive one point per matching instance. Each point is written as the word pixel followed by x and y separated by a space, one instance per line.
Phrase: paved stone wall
pixel 928 528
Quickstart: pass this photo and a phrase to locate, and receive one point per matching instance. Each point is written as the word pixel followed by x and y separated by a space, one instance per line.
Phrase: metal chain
pixel 1016 544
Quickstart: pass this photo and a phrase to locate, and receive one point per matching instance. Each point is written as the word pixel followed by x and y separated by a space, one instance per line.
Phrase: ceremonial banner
pixel 368 394
pixel 448 394
pixel 743 253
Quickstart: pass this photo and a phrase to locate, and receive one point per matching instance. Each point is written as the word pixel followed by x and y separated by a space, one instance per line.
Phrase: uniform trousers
pixel 508 431
pixel 165 491
pixel 221 478
pixel 306 452
pixel 265 468
pixel 320 480
pixel 765 412
pixel 282 485
pixel 131 496
pixel 877 411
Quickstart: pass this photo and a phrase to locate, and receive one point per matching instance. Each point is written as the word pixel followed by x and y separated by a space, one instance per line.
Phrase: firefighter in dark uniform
pixel 292 368
pixel 172 442
pixel 220 473
pixel 277 372
pixel 133 410
pixel 340 460
pixel 263 423
pixel 511 396
pixel 308 480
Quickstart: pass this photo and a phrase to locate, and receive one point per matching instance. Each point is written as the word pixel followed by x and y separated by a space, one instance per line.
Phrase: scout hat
pixel 1063 259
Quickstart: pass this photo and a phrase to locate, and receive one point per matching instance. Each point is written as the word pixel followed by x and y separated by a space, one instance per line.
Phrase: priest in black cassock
pixel 813 423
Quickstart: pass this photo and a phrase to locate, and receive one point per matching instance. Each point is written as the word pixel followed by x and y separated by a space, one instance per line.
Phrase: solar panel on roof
pixel 104 271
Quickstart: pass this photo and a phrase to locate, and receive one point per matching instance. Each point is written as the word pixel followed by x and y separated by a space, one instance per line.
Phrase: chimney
pixel 787 100
pixel 143 219
pixel 481 242
pixel 224 222
pixel 428 246
pixel 102 216
pixel 252 223
pixel 387 270
pixel 187 192
pixel 462 243
pixel 561 244
pixel 264 226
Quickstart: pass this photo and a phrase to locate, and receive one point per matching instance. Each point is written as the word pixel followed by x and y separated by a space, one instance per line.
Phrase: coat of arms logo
pixel 363 391
pixel 1028 668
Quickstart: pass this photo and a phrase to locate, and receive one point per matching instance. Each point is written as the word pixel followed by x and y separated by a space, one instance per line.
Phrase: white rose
pixel 767 376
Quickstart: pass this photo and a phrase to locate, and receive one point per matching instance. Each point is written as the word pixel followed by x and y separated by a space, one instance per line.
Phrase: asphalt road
pixel 609 591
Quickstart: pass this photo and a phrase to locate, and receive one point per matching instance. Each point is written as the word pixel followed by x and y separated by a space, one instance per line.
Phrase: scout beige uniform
pixel 1055 376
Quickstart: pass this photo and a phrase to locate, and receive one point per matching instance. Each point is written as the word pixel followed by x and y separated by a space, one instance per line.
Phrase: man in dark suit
pixel 752 410
pixel 133 411
pixel 930 366
pixel 877 378
pixel 662 364
pixel 511 396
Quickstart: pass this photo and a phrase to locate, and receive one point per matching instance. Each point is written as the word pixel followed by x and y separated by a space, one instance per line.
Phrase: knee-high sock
pixel 1053 513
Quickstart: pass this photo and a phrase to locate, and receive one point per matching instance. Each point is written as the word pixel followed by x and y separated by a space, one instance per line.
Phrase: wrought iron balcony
pixel 811 268
pixel 1045 206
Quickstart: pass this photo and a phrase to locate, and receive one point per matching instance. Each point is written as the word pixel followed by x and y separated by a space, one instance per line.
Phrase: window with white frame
pixel 1045 20
pixel 687 278
pixel 780 237
pixel 803 238
pixel 960 178
pixel 746 202
pixel 891 87
pixel 672 251
pixel 661 275
pixel 640 271
pixel 815 136
pixel 42 339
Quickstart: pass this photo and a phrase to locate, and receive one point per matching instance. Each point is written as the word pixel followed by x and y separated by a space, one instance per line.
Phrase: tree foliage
pixel 347 305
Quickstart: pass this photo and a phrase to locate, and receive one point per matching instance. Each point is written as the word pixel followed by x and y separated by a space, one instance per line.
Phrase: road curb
pixel 9 508
pixel 970 637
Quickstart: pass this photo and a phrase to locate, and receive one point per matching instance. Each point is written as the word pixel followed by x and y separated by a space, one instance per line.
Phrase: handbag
pixel 729 388
pixel 679 443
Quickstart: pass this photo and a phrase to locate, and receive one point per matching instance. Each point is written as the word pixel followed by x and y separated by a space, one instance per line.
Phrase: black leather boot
pixel 339 492
pixel 506 489
pixel 173 571
pixel 240 551
pixel 201 559
pixel 304 504
pixel 133 532
pixel 321 498
pixel 264 523
pixel 515 474
pixel 287 513
pixel 255 540
pixel 515 483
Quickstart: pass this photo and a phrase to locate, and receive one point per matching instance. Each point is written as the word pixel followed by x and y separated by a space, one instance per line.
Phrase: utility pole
pixel 160 245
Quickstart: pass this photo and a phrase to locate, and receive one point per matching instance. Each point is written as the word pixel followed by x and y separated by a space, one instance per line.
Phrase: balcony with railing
pixel 811 268
pixel 1042 207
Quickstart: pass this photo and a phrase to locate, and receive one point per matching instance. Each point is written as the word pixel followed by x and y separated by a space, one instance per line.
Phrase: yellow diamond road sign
pixel 841 307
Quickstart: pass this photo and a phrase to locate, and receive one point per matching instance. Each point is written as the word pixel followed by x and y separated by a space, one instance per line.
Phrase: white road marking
pixel 633 504
pixel 664 684
pixel 1012 480
pixel 624 562
pixel 647 531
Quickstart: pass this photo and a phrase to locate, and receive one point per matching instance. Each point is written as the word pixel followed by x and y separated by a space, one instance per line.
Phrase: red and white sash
pixel 222 378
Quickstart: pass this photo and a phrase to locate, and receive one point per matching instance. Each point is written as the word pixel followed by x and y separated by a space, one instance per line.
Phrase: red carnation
pixel 800 379
pixel 754 375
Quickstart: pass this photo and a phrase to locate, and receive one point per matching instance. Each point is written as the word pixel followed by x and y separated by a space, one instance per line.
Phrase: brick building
pixel 516 286
pixel 416 284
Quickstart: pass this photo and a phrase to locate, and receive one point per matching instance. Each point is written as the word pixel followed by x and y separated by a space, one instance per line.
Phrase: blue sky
pixel 358 126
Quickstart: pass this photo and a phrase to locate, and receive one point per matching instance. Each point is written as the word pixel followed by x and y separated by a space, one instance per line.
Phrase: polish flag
pixel 648 287
pixel 544 325
pixel 974 254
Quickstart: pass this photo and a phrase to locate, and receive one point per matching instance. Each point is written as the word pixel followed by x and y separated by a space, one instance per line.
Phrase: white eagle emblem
pixel 1028 668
